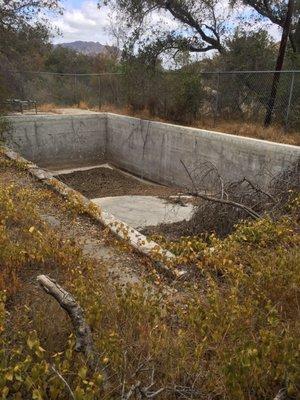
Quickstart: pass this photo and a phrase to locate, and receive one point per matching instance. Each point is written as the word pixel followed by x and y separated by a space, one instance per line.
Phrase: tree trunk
pixel 279 63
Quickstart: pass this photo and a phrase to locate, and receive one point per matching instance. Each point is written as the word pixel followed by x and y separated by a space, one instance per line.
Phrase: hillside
pixel 88 48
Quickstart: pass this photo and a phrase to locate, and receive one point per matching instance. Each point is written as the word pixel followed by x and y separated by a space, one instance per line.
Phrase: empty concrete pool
pixel 133 168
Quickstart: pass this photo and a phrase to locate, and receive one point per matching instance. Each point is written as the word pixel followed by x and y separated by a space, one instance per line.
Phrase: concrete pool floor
pixel 143 211
pixel 136 201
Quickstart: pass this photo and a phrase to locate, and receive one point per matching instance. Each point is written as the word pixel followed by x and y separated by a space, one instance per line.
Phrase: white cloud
pixel 85 22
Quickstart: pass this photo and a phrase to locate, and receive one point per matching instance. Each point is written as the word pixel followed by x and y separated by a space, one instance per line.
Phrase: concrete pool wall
pixel 59 140
pixel 149 149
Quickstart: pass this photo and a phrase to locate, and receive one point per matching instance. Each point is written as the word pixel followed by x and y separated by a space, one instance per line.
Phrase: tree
pixel 279 62
pixel 64 60
pixel 275 11
pixel 200 27
pixel 244 52
pixel 24 38
pixel 18 22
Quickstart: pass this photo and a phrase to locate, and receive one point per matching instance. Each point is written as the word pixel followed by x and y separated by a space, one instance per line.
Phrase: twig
pixel 124 374
pixel 189 175
pixel 151 395
pixel 131 390
pixel 258 189
pixel 142 391
pixel 64 381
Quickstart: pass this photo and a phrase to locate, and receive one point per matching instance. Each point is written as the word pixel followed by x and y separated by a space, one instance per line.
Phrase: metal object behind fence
pixel 179 96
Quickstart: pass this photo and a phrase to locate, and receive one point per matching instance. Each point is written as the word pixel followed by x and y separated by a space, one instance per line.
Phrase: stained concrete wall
pixel 153 150
pixel 149 149
pixel 59 140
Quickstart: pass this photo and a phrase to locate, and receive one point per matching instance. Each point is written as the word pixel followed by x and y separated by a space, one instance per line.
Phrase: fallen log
pixel 84 341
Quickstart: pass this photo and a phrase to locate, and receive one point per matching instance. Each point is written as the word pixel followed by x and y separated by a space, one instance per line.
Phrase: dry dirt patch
pixel 104 182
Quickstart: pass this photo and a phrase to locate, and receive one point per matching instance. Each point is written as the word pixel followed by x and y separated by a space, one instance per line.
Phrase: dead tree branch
pixel 231 203
pixel 259 189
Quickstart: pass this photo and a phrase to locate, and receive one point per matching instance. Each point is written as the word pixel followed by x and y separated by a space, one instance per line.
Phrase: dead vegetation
pixel 221 205
pixel 232 333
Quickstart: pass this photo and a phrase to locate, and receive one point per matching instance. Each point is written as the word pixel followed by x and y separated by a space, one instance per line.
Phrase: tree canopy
pixel 275 11
pixel 197 26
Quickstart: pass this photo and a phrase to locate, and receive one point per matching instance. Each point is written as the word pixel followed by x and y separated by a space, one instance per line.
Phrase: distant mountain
pixel 89 48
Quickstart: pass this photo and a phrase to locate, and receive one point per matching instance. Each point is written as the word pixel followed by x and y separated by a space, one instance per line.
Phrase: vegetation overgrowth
pixel 231 333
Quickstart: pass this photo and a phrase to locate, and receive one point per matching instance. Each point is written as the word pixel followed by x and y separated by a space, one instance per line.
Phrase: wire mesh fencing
pixel 183 96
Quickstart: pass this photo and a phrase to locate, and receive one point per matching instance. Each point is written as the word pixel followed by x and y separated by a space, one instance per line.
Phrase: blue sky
pixel 73 3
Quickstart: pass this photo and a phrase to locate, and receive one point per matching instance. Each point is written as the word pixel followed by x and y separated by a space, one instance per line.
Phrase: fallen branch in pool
pixel 84 340
pixel 227 202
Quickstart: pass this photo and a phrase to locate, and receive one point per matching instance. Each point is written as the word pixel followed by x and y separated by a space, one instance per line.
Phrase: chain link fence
pixel 178 96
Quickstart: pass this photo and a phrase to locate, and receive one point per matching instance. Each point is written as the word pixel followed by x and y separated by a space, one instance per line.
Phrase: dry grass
pixel 54 108
pixel 48 107
pixel 83 105
pixel 257 131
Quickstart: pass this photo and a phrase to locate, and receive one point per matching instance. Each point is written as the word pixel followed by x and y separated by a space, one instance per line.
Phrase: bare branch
pixel 64 381
pixel 231 203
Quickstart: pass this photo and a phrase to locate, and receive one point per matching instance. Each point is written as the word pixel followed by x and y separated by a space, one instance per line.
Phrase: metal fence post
pixel 99 93
pixel 289 100
pixel 75 89
pixel 216 114
pixel 22 90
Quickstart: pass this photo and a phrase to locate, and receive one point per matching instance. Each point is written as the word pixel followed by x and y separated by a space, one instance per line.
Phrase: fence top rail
pixel 242 72
pixel 65 73
pixel 165 72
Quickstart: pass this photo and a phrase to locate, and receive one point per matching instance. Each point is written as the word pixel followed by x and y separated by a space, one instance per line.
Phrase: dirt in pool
pixel 107 182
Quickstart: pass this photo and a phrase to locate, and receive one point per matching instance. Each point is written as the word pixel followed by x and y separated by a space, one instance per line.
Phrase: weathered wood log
pixel 281 395
pixel 84 341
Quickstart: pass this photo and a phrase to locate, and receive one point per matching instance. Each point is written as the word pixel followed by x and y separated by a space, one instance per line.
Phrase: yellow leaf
pixel 82 372
pixel 5 392
pixel 9 375
pixel 36 395
pixel 32 340
pixel 31 229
